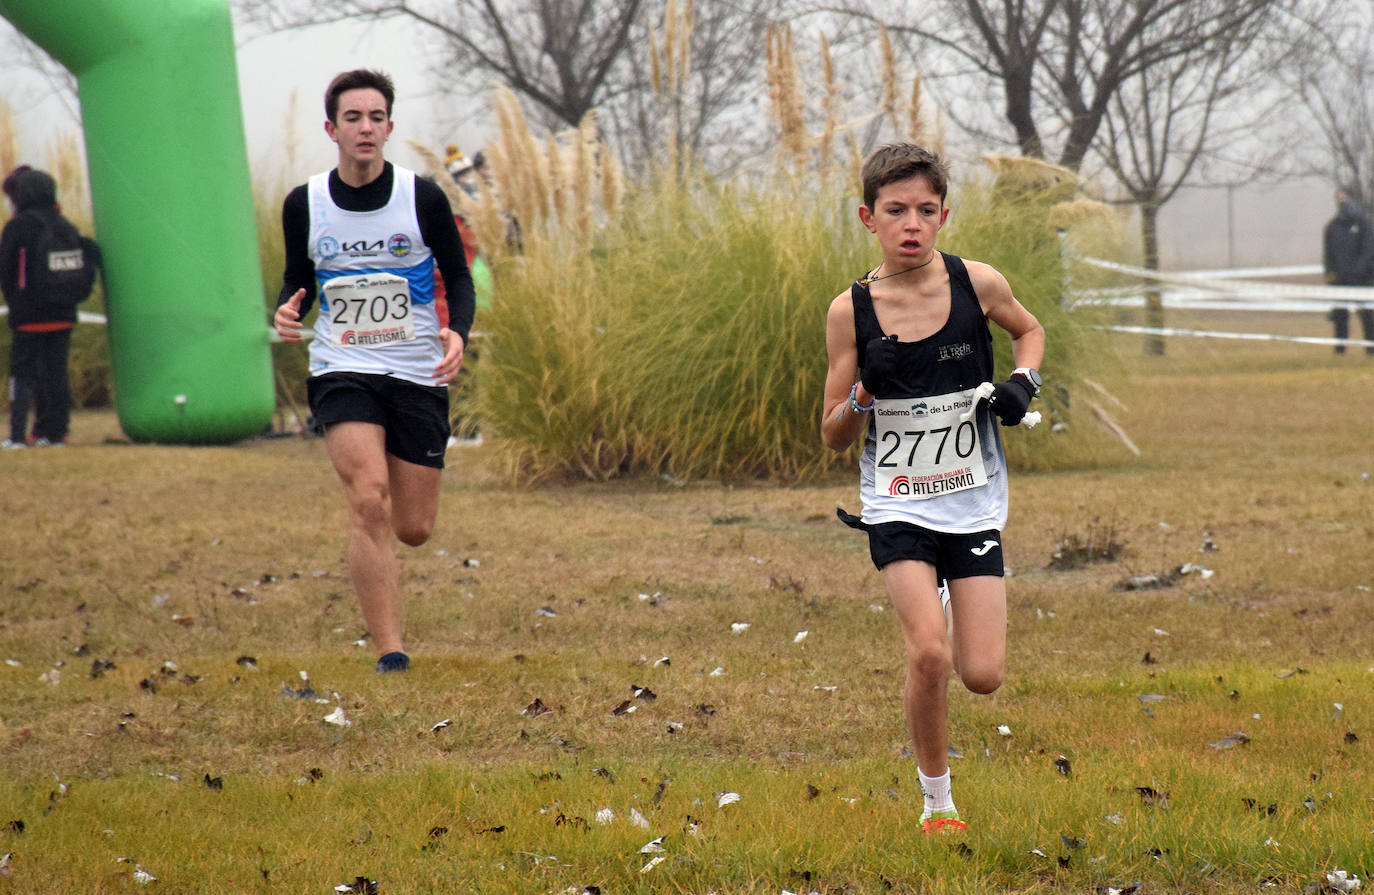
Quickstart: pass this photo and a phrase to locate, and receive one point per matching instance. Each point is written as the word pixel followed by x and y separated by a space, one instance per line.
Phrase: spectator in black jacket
pixel 1348 258
pixel 46 268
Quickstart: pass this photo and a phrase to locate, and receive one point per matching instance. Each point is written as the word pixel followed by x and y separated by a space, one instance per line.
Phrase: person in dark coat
pixel 42 305
pixel 1348 259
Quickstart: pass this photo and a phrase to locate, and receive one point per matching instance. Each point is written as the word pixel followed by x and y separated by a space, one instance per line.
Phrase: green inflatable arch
pixel 173 207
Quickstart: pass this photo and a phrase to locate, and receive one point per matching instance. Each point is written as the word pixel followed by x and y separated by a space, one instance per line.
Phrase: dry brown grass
pixel 141 555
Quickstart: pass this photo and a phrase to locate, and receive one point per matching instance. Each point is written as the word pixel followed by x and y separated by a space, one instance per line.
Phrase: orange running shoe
pixel 942 822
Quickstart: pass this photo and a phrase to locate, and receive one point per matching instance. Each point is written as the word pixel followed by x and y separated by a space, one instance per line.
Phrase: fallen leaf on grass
pixel 1231 740
pixel 653 847
pixel 214 782
pixel 337 717
pixel 535 709
pixel 1062 765
pixel 1151 796
pixel 361 885
pixel 727 798
pixel 653 862
pixel 1290 672
pixel 441 725
pixel 1072 842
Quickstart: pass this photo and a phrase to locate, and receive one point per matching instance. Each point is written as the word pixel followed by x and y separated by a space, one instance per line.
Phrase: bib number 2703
pixel 369 309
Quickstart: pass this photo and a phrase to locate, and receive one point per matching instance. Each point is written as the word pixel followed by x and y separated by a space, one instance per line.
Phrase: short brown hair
pixel 358 79
pixel 902 161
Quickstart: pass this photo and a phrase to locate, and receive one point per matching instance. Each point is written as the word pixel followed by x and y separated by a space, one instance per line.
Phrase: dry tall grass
pixel 680 330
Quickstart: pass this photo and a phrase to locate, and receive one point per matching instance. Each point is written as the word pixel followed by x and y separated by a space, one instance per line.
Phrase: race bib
pixel 924 449
pixel 369 309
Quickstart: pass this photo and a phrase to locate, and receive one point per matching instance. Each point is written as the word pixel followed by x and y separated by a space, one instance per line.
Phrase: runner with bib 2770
pixel 366 237
pixel 933 477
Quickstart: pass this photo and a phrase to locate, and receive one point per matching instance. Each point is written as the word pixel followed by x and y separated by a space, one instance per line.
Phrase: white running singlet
pixel 376 286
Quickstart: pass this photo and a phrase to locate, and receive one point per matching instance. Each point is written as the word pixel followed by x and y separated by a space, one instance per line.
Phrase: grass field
pixel 166 608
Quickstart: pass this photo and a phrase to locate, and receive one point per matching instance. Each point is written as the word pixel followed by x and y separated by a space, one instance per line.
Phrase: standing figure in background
pixel 1348 259
pixel 47 268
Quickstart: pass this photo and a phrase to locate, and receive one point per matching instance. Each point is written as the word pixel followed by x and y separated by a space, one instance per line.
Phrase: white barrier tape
pixel 1359 295
pixel 1255 337
pixel 1204 302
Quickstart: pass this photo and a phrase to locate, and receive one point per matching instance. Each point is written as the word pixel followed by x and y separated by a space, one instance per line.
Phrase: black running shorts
pixel 952 555
pixel 415 417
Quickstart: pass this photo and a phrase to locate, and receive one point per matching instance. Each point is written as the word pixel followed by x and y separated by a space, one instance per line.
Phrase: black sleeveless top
pixel 957 356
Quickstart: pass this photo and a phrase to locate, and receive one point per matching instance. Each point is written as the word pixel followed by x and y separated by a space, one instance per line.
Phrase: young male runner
pixel 368 234
pixel 933 486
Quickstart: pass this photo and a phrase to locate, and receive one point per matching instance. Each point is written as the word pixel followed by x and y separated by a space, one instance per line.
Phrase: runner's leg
pixel 358 452
pixel 915 597
pixel 978 606
pixel 414 499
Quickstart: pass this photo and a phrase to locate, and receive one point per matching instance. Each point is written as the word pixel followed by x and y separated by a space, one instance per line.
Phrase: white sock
pixel 936 790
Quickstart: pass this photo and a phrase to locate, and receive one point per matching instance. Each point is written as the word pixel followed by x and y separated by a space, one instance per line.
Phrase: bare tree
pixel 706 112
pixel 1057 64
pixel 1178 119
pixel 1331 73
pixel 566 57
pixel 558 54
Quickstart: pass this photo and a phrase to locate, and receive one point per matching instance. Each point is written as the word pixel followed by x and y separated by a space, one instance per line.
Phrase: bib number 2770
pixel 924 449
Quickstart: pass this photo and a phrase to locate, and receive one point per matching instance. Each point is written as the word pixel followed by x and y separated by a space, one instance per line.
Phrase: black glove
pixel 1010 399
pixel 880 364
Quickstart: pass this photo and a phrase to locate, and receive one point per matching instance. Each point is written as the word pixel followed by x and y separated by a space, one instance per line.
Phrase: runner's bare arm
pixel 1001 307
pixel 839 424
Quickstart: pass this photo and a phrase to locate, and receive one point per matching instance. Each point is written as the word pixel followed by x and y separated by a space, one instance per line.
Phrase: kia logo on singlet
pixel 363 247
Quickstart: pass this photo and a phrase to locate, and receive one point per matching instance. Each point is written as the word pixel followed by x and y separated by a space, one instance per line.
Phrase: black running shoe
pixel 393 662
